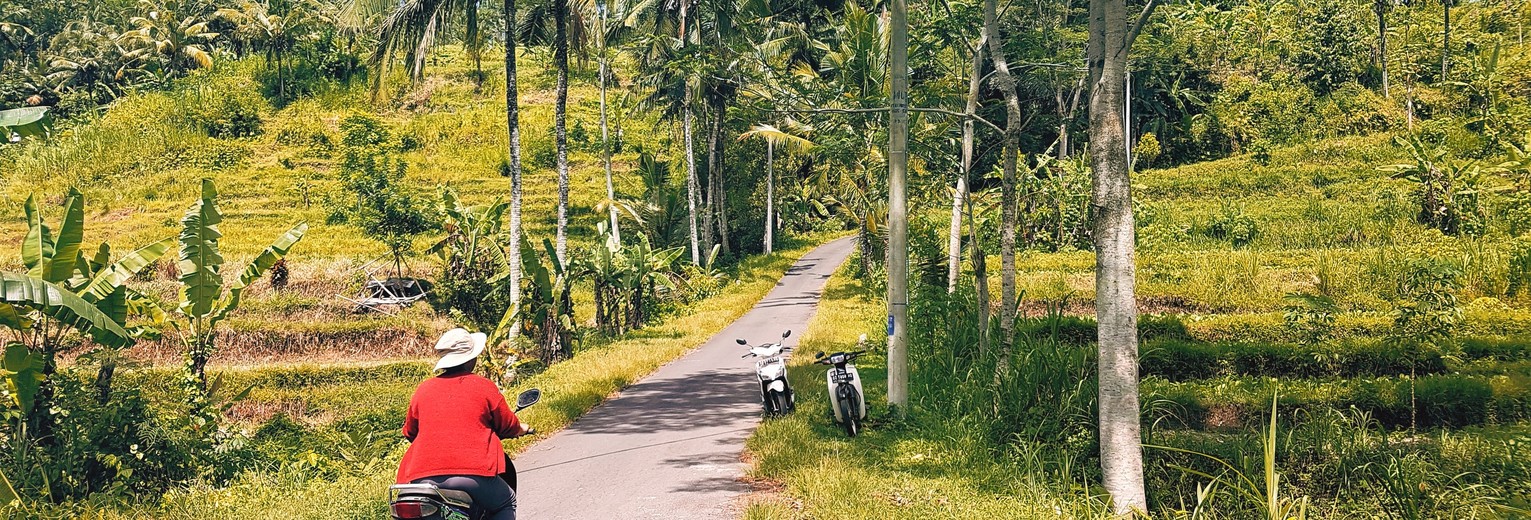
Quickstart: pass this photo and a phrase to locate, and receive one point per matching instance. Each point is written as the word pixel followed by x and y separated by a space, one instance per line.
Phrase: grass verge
pixel 894 469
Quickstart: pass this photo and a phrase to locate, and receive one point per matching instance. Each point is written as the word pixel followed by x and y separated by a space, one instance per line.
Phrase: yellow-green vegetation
pixel 916 468
pixel 329 431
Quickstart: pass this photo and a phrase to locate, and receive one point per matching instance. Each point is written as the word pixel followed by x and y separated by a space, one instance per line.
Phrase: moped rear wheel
pixel 779 402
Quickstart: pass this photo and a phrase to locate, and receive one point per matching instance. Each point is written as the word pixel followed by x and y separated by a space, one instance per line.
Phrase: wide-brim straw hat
pixel 458 346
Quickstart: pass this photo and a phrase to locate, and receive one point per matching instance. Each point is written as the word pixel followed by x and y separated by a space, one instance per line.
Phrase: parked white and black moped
pixel 845 397
pixel 771 370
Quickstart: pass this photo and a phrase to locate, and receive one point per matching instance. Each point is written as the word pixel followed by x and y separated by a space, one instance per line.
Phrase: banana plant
pixel 647 270
pixel 63 290
pixel 204 300
pixel 546 311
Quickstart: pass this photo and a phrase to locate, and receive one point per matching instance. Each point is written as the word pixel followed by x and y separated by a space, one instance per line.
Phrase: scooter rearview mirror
pixel 820 355
pixel 528 398
pixel 785 334
pixel 741 341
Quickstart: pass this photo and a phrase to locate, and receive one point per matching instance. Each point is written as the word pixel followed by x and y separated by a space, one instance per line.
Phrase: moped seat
pixel 452 497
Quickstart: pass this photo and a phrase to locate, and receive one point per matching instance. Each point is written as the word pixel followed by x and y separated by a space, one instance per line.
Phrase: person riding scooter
pixel 455 423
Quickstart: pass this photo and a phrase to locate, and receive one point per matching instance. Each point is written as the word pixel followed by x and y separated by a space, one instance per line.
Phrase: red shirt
pixel 455 424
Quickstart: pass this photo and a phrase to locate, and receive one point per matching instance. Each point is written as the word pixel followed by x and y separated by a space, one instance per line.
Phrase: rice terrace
pixel 765 259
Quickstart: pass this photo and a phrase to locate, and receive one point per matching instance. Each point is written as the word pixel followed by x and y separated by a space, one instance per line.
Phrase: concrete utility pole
pixel 898 218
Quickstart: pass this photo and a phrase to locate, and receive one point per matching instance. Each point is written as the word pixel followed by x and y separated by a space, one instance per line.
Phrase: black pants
pixel 490 495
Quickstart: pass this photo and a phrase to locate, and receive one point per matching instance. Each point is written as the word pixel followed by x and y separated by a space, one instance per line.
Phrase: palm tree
pixel 412 27
pixel 668 72
pixel 774 138
pixel 276 33
pixel 172 34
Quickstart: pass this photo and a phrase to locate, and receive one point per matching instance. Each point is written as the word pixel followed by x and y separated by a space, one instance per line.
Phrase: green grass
pixel 894 469
pixel 327 395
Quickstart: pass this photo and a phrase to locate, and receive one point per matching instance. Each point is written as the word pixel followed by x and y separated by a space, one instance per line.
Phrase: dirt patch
pixel 272 346
pixel 261 412
pixel 1224 417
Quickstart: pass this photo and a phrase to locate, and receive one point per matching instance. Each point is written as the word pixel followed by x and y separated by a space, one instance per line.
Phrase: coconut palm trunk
pixel 719 196
pixel 560 128
pixel 1121 450
pixel 770 222
pixel 513 162
pixel 691 188
pixel 611 192
pixel 708 198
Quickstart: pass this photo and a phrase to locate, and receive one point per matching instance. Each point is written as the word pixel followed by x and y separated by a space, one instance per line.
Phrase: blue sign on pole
pixel 890 324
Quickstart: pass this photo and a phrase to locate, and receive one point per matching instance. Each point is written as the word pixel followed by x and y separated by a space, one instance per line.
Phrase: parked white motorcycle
pixel 845 396
pixel 771 369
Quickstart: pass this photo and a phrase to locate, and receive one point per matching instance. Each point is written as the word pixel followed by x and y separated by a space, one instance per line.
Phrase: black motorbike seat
pixel 452 497
pixel 455 497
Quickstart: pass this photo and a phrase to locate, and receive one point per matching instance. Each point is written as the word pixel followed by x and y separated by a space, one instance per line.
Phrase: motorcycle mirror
pixel 528 398
pixel 820 355
pixel 785 334
pixel 741 341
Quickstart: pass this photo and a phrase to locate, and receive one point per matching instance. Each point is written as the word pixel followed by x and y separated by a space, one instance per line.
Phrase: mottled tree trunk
pixel 513 162
pixel 611 191
pixel 560 128
pixel 954 242
pixel 1008 217
pixel 1116 311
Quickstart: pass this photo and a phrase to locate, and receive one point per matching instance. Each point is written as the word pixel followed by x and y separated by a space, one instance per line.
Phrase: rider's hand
pixel 524 430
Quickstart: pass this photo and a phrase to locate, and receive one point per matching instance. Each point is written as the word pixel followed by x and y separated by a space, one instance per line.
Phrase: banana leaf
pixel 26 122
pixel 23 374
pixel 262 262
pixel 37 247
pixel 7 493
pixel 66 247
pixel 64 306
pixel 200 261
pixel 13 319
pixel 110 278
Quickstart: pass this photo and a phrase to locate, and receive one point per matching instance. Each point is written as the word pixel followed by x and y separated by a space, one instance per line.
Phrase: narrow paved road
pixel 669 447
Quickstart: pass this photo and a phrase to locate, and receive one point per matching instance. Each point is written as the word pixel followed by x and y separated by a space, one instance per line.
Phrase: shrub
pixel 117 447
pixel 1452 401
pixel 1232 224
pixel 222 110
pixel 1520 269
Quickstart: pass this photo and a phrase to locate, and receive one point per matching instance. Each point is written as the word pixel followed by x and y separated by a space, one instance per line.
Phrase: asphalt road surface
pixel 669 446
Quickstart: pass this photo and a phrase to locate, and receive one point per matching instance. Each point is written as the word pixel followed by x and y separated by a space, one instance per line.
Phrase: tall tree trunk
pixel 686 109
pixel 474 50
pixel 707 196
pixel 1116 311
pixel 980 279
pixel 954 242
pixel 513 155
pixel 715 171
pixel 770 222
pixel 1445 38
pixel 560 128
pixel 1008 219
pixel 954 235
pixel 1380 6
pixel 611 192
